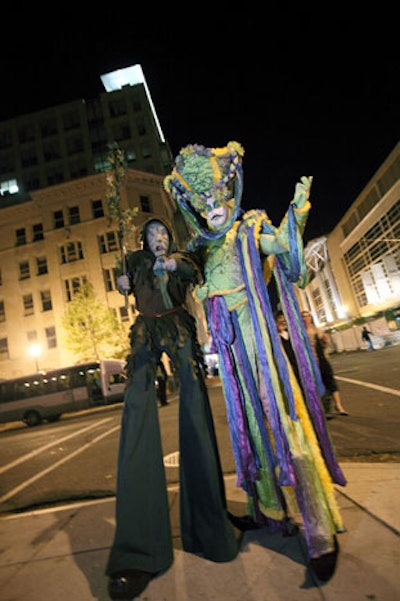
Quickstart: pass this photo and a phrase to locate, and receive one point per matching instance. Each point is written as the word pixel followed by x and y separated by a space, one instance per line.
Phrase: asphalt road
pixel 369 385
pixel 76 457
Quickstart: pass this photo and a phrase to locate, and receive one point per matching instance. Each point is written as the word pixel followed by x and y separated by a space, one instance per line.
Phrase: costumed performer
pixel 159 277
pixel 284 458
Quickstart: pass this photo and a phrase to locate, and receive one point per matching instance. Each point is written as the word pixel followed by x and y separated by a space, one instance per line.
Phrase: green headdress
pixel 202 172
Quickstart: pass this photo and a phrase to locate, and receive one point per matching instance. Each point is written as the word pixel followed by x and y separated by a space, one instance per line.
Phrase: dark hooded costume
pixel 143 538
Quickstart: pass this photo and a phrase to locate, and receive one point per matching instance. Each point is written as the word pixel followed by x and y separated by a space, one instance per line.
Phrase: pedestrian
pixel 319 343
pixel 159 277
pixel 284 458
pixel 366 335
pixel 161 379
pixel 286 343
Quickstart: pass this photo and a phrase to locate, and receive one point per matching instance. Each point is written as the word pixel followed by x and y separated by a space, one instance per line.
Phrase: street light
pixel 35 350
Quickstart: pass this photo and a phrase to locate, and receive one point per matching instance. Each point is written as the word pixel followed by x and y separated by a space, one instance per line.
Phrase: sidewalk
pixel 59 554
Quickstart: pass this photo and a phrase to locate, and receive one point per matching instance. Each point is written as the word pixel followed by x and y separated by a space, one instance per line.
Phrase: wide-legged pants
pixel 143 537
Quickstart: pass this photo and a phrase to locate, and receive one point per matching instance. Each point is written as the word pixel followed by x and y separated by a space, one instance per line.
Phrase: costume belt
pixel 226 291
pixel 238 303
pixel 167 312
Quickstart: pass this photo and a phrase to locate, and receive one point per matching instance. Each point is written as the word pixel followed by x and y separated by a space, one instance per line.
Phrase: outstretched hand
pixel 123 284
pixel 162 264
pixel 302 191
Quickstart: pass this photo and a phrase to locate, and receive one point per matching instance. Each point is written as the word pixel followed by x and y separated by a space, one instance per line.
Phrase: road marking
pixel 370 385
pixel 83 504
pixel 17 489
pixel 171 460
pixel 23 458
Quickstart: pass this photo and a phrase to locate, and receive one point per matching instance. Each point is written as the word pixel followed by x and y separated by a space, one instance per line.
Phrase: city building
pixel 355 269
pixel 72 140
pixel 52 243
pixel 56 229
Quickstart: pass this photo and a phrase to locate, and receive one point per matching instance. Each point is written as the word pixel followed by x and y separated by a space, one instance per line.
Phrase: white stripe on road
pixel 80 504
pixel 17 489
pixel 8 466
pixel 370 385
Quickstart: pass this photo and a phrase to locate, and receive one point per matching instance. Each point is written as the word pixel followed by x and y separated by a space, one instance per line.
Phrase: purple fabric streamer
pixel 227 337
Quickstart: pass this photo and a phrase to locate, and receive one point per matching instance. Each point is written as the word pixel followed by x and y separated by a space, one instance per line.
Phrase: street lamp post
pixel 35 351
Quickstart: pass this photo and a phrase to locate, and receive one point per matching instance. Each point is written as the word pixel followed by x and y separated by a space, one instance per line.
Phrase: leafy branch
pixel 124 217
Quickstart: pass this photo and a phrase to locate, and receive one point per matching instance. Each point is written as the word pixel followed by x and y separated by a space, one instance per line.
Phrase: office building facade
pixel 72 140
pixel 355 269
pixel 56 230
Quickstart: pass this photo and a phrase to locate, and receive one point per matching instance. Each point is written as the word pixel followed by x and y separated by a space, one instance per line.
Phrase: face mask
pixel 157 239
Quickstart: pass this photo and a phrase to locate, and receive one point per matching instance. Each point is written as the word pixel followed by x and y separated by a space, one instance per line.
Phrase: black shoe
pixel 128 584
pixel 243 523
pixel 324 566
pixel 289 528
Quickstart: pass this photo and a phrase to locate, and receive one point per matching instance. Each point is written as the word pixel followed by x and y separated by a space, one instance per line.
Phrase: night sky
pixel 305 92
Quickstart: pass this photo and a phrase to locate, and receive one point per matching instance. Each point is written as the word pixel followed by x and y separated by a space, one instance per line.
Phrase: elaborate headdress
pixel 202 172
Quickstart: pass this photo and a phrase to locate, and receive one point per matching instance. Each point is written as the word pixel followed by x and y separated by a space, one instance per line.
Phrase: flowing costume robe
pixel 143 537
pixel 284 457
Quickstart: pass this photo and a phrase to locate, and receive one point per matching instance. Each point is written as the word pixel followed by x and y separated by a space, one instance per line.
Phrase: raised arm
pixel 274 241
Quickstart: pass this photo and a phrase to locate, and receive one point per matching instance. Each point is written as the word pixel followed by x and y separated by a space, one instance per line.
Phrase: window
pixel 20 235
pixel 98 137
pixel 117 107
pixel 3 348
pixel 71 252
pixel 110 278
pixel 100 164
pixel 146 150
pixel 24 272
pixel 58 219
pixel 26 133
pixel 45 297
pixel 94 110
pixel 73 285
pixel 145 204
pixel 71 120
pixel 2 311
pixel 5 138
pixel 97 209
pixel 136 105
pixel 32 336
pixel 29 157
pixel 9 187
pixel 74 145
pixel 41 263
pixel 37 232
pixel 51 151
pixel 123 313
pixel 141 127
pixel 121 131
pixel 6 165
pixel 48 127
pixel 51 337
pixel 54 176
pixel 31 181
pixel 74 216
pixel 108 242
pixel 130 154
pixel 27 299
pixel 77 168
